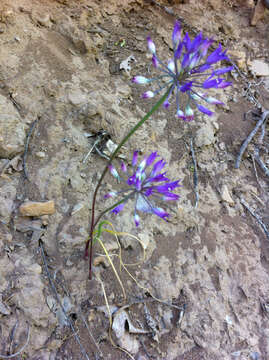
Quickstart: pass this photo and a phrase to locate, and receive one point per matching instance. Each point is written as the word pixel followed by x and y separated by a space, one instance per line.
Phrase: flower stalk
pixel 93 223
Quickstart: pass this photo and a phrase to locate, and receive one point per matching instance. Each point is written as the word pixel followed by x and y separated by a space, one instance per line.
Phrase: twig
pixel 26 148
pixel 91 149
pixel 22 348
pixel 250 137
pixel 195 174
pixel 83 351
pixel 257 217
pixel 257 150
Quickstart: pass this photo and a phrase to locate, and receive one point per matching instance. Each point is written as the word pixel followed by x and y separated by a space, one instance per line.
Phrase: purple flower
pixel 190 70
pixel 147 185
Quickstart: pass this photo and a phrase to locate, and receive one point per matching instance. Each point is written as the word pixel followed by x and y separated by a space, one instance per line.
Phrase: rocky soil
pixel 201 290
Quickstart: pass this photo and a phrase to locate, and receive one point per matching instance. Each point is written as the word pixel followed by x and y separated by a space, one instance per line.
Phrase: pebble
pixel 225 195
pixel 259 68
pixel 32 208
pixel 40 154
pixel 205 136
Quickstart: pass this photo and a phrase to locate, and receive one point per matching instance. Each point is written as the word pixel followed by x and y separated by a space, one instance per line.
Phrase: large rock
pixel 12 131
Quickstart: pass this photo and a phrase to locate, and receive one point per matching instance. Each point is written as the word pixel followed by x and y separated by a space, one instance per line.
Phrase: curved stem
pixel 130 133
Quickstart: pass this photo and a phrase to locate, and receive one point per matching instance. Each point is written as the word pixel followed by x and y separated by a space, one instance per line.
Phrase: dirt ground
pixel 201 289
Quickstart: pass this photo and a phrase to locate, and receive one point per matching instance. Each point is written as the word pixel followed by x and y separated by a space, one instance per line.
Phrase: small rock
pixel 40 154
pixel 205 136
pixel 32 208
pixel 42 19
pixel 12 135
pixel 259 68
pixel 225 195
pixel 101 260
pixel 77 97
pixel 35 268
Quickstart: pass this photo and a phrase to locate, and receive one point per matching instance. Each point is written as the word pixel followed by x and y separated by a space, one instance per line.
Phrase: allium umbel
pixel 189 74
pixel 146 185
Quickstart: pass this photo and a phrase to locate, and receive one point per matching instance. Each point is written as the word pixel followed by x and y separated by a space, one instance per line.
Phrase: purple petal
pixel 160 212
pixel 110 195
pixel 155 62
pixel 148 191
pixel 194 60
pixel 114 172
pixel 179 50
pixel 135 156
pixel 210 83
pixel 176 35
pixel 158 166
pixel 118 208
pixel 168 186
pixel 186 87
pixel 123 167
pixel 185 61
pixel 205 46
pixel 201 68
pixel 204 110
pixel 223 84
pixel 151 158
pixel 170 196
pixel 131 180
pixel 148 94
pixel 187 41
pixel 166 104
pixel 196 42
pixel 140 80
pixel 136 219
pixel 151 45
pixel 212 100
pixel 157 178
pixel 180 114
pixel 171 65
pixel 222 70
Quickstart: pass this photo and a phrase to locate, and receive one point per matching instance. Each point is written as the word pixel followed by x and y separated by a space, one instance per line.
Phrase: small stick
pixel 257 150
pixel 195 174
pixel 22 348
pixel 26 148
pixel 91 149
pixel 257 217
pixel 250 137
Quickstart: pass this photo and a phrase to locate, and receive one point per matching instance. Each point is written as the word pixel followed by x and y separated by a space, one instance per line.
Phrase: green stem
pixel 131 132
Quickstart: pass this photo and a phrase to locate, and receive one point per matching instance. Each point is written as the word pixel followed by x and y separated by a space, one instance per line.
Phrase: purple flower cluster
pixel 191 72
pixel 146 185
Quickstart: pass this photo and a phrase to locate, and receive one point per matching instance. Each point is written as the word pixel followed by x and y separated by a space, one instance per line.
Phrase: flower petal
pixel 151 45
pixel 136 219
pixel 155 61
pixel 186 87
pixel 118 208
pixel 110 194
pixel 140 80
pixel 114 172
pixel 160 212
pixel 135 156
pixel 204 110
pixel 158 166
pixel 148 94
pixel 176 35
pixel 151 158
pixel 171 65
